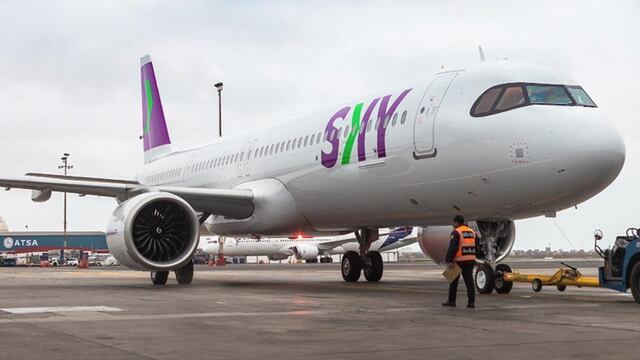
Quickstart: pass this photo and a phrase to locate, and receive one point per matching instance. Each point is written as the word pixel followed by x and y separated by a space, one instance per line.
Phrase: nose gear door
pixel 424 128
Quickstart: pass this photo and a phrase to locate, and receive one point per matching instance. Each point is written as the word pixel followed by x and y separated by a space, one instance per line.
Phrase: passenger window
pixel 403 119
pixel 346 132
pixel 300 142
pixel 318 138
pixel 486 101
pixel 395 119
pixel 369 124
pixel 313 139
pixel 511 97
pixel 306 140
pixel 288 144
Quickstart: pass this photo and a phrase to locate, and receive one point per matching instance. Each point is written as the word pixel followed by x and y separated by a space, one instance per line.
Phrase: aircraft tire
pixel 184 275
pixel 374 271
pixel 351 266
pixel 485 279
pixel 634 280
pixel 159 277
pixel 502 287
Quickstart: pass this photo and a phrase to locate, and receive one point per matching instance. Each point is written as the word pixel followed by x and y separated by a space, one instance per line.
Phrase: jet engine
pixel 305 251
pixel 154 231
pixel 495 240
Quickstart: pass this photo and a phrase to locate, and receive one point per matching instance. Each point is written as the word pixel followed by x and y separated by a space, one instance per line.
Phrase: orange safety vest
pixel 466 244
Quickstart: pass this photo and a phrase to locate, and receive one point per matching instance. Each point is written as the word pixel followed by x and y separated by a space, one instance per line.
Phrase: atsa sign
pixel 23 242
pixel 9 243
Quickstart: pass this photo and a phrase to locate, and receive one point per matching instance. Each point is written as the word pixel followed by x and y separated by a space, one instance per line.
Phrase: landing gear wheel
pixel 373 272
pixel 159 277
pixel 184 275
pixel 502 287
pixel 351 266
pixel 485 279
pixel 634 280
pixel 561 287
pixel 536 285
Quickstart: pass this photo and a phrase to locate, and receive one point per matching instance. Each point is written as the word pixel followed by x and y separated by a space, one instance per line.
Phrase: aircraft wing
pixel 328 245
pixel 226 202
pixel 400 243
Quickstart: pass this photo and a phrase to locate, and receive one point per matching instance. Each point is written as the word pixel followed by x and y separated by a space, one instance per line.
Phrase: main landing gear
pixel 367 262
pixel 184 275
pixel 487 279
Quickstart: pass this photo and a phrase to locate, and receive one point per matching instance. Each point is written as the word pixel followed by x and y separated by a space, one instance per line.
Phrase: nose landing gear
pixel 487 279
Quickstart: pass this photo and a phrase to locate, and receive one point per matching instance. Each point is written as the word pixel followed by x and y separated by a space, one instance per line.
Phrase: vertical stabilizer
pixel 154 128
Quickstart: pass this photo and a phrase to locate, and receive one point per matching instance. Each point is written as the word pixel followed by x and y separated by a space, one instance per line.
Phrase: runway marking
pixel 59 309
pixel 99 316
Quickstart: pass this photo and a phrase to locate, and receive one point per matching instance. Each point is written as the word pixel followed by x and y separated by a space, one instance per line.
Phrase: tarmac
pixel 304 311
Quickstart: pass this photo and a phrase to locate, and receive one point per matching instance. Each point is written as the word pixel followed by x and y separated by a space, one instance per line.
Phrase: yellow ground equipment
pixel 568 276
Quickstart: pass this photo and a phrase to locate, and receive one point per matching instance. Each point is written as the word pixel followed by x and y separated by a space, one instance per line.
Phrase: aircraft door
pixel 424 128
pixel 245 162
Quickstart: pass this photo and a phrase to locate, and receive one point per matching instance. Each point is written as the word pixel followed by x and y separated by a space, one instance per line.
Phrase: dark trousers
pixel 467 275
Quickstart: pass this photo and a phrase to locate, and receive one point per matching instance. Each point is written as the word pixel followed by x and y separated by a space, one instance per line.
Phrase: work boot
pixel 471 306
pixel 449 304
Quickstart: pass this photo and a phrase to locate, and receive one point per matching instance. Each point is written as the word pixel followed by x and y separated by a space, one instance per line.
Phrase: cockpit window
pixel 548 94
pixel 486 101
pixel 513 96
pixel 507 97
pixel 580 96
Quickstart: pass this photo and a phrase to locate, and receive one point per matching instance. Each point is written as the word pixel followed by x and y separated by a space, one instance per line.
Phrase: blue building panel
pixel 28 242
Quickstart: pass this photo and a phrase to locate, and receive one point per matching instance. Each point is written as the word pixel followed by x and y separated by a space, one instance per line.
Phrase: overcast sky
pixel 69 80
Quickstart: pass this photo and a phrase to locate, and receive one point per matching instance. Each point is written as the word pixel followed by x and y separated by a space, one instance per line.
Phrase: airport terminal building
pixel 34 242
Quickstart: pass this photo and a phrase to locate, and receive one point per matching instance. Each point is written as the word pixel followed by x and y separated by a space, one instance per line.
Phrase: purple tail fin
pixel 154 128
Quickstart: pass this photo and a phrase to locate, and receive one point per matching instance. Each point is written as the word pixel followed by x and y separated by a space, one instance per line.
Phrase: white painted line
pixel 60 309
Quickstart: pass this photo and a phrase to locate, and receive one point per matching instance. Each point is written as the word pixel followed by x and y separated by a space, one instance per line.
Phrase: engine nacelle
pixel 153 231
pixel 305 251
pixel 495 240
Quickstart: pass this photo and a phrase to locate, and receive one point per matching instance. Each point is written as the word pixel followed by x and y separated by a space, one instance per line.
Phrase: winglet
pixel 482 58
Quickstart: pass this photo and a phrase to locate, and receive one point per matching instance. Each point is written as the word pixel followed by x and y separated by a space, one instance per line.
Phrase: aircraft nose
pixel 607 151
pixel 595 154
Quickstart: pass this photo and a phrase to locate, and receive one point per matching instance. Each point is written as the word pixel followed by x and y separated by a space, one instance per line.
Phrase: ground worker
pixel 462 251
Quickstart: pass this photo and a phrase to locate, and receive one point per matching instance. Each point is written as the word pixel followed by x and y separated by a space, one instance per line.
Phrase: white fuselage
pixel 285 247
pixel 432 161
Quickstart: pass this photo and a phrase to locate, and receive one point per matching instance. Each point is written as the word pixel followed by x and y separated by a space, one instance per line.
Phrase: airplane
pixel 494 141
pixel 310 248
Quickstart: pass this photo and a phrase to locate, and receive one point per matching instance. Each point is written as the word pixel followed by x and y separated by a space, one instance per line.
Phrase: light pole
pixel 65 165
pixel 219 87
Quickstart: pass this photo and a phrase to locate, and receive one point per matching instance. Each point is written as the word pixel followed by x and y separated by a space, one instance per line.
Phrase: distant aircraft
pixel 496 141
pixel 309 248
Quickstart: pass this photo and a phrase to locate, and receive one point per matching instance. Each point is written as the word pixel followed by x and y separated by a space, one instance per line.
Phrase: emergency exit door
pixel 424 129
